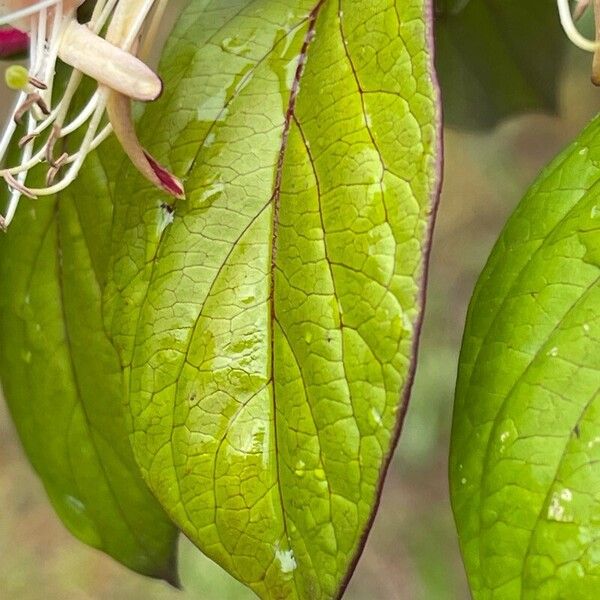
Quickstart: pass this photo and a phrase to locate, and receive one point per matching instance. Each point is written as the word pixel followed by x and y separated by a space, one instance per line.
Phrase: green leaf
pixel 62 378
pixel 524 482
pixel 496 58
pixel 269 331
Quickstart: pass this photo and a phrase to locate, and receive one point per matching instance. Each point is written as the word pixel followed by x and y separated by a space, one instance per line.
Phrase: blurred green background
pixel 412 553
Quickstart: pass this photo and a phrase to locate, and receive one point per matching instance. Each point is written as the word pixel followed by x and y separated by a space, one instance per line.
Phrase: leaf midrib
pixel 276 202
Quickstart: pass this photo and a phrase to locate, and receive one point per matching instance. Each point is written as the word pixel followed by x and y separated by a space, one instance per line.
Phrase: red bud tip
pixel 13 42
pixel 169 182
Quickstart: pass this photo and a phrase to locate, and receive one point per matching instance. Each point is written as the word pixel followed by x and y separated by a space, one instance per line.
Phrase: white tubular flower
pixel 111 61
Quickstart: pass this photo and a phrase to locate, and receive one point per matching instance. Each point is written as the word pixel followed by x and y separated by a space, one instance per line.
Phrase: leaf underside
pixel 62 378
pixel 525 443
pixel 268 328
pixel 497 58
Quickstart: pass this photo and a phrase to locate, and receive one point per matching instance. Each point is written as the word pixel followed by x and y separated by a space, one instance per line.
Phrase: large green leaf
pixel 524 477
pixel 269 331
pixel 62 377
pixel 496 58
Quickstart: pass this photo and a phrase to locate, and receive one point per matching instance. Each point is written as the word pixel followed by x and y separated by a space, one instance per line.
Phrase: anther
pixel 26 139
pixel 35 82
pixel 31 100
pixel 56 166
pixel 15 185
pixel 39 101
pixel 52 139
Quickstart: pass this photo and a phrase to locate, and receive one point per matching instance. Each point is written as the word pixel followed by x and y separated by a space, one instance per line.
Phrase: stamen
pixel 31 100
pixel 26 12
pixel 111 60
pixel 40 85
pixel 20 189
pixel 101 13
pixel 566 19
pixel 26 139
pixel 580 8
pixel 135 27
pixel 54 137
pixel 84 150
pixel 62 132
pixel 51 175
pixel 18 186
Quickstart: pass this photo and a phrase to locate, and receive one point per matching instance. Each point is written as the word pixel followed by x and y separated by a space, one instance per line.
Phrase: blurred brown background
pixel 412 552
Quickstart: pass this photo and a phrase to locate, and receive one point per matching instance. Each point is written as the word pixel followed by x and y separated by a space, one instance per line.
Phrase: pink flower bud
pixel 13 42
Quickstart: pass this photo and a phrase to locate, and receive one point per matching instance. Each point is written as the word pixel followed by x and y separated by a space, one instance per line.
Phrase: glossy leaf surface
pixel 62 377
pixel 524 461
pixel 496 58
pixel 268 327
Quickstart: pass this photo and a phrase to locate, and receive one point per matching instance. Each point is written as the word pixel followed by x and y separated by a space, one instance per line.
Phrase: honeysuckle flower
pixel 106 50
pixel 568 19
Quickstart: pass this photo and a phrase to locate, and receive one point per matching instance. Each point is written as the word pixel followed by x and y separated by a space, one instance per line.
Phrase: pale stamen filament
pixel 566 19
pixel 37 58
pixel 102 12
pixel 16 193
pixel 104 133
pixel 80 120
pixel 49 51
pixel 28 11
pixel 47 28
pixel 97 105
pixel 40 156
pixel 85 149
pixel 55 114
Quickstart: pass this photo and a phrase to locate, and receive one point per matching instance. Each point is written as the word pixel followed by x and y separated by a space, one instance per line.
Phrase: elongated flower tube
pixel 104 49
